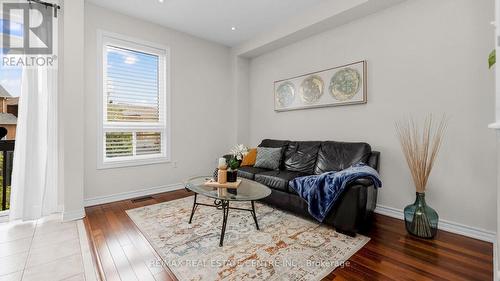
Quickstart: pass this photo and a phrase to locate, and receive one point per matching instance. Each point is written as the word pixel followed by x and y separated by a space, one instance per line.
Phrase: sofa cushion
pixel 301 156
pixel 249 172
pixel 273 143
pixel 337 156
pixel 268 158
pixel 277 179
pixel 249 158
pixel 276 143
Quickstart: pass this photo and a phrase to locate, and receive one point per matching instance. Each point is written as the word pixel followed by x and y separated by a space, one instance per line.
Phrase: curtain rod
pixel 47 4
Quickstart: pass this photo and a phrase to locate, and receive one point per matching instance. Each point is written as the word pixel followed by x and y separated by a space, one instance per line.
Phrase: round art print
pixel 311 89
pixel 285 94
pixel 345 84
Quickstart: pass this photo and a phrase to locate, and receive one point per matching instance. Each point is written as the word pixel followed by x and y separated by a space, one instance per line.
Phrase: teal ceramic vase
pixel 420 219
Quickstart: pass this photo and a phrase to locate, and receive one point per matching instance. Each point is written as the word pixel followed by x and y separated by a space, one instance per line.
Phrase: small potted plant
pixel 237 154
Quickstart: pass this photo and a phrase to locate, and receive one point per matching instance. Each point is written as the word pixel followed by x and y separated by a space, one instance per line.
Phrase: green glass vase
pixel 420 219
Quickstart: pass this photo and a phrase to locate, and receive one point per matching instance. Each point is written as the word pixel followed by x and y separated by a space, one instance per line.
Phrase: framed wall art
pixel 342 85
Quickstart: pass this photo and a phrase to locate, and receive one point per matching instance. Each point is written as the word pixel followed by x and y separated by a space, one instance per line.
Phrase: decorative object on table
pixel 237 154
pixel 227 185
pixel 222 163
pixel 222 176
pixel 268 158
pixel 232 172
pixel 215 175
pixel 346 85
pixel 222 171
pixel 313 249
pixel 221 192
pixel 421 150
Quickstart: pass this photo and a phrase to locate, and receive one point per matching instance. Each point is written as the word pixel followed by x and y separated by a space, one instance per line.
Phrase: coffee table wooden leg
pixel 194 208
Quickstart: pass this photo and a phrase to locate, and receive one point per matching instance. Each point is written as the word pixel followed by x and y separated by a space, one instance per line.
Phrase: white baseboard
pixel 454 227
pixel 73 215
pixel 131 194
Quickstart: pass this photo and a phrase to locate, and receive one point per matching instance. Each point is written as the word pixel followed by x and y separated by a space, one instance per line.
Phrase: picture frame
pixel 336 86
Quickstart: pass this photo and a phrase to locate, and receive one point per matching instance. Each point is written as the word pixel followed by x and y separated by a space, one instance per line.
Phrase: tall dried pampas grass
pixel 421 150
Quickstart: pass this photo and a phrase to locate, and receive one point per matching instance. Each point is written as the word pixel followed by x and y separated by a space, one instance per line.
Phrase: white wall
pixel 240 71
pixel 71 111
pixel 201 102
pixel 423 56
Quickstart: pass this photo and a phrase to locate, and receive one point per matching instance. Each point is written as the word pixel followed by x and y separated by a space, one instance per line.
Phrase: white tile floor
pixel 45 250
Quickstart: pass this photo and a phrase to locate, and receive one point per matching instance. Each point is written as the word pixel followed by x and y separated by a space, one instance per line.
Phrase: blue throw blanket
pixel 322 191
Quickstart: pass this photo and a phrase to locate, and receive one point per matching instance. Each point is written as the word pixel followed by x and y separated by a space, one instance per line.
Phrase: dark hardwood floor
pixel 123 253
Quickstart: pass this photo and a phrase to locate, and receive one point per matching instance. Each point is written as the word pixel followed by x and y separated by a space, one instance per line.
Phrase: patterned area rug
pixel 286 247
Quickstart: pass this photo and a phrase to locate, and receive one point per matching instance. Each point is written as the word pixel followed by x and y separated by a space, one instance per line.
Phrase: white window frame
pixel 104 39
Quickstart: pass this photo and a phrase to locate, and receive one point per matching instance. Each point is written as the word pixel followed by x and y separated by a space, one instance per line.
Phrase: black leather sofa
pixel 352 212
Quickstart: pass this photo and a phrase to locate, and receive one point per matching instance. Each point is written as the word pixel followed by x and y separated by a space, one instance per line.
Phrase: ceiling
pixel 213 19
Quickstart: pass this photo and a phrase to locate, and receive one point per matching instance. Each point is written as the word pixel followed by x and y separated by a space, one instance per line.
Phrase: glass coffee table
pixel 248 190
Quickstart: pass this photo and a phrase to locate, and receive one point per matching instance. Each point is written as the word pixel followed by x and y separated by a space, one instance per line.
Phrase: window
pixel 134 103
pixel 10 77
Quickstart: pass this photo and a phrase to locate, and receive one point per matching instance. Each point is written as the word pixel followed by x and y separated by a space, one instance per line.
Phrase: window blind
pixel 119 144
pixel 134 94
pixel 132 86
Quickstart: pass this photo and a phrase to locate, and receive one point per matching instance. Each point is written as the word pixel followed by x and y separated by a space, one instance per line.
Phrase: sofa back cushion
pixel 301 156
pixel 273 143
pixel 336 156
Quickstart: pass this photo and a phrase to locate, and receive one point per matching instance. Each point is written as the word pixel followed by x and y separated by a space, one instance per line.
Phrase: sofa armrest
pixel 366 182
pixel 374 159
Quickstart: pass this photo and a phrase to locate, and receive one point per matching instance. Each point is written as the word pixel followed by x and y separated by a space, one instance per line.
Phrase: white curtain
pixel 34 190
